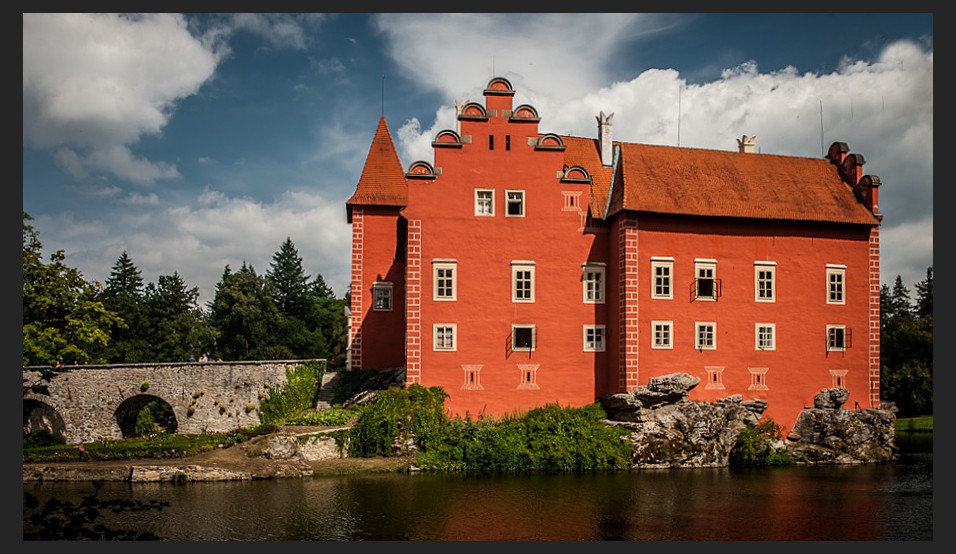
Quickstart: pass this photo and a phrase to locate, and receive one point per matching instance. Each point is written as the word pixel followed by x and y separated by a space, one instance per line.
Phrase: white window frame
pixel 597 342
pixel 667 281
pixel 479 201
pixel 759 292
pixel 522 266
pixel 830 346
pixel 701 266
pixel 534 337
pixel 593 288
pixel 508 203
pixel 439 266
pixel 384 289
pixel 697 338
pixel 662 326
pixel 758 342
pixel 449 331
pixel 836 276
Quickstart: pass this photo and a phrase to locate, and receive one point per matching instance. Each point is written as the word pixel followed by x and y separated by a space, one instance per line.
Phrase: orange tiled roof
pixel 383 180
pixel 692 181
pixel 585 153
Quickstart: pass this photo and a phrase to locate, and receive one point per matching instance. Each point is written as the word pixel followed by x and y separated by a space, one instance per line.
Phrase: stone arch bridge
pixel 99 402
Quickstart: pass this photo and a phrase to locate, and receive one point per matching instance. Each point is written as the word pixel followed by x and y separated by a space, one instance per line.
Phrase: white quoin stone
pixel 604 138
pixel 747 144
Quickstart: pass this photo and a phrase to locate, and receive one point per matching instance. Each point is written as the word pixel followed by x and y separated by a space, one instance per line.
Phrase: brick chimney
pixel 604 139
pixel 747 144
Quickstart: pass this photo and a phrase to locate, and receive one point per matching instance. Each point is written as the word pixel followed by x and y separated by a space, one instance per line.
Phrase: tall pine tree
pixel 125 295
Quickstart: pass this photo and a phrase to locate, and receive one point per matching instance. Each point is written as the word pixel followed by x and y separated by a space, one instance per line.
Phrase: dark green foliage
pixel 177 325
pixel 62 315
pixel 755 446
pixel 906 347
pixel 289 282
pixel 298 395
pixel 163 446
pixel 40 438
pixel 58 520
pixel 548 438
pixel 351 382
pixel 399 415
pixel 246 316
pixel 155 418
pixel 125 295
pixel 332 416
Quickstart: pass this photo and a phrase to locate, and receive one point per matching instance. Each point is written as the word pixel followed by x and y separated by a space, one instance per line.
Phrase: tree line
pixel 906 346
pixel 282 314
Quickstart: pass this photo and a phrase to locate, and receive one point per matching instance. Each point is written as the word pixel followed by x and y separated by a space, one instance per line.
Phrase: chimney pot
pixel 747 144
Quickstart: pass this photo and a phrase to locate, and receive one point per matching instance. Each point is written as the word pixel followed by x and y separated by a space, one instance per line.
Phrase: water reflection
pixel 857 502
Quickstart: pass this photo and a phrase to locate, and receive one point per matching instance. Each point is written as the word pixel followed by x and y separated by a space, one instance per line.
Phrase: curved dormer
pixel 499 86
pixel 575 174
pixel 474 111
pixel 524 113
pixel 421 170
pixel 549 141
pixel 447 138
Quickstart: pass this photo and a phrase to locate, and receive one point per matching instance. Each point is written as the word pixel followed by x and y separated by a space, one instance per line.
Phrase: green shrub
pixel 399 414
pixel 42 437
pixel 349 383
pixel 299 394
pixel 754 447
pixel 332 416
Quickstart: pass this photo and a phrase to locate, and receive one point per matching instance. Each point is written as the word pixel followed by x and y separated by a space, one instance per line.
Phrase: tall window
pixel 522 281
pixel 484 202
pixel 514 203
pixel 765 336
pixel 594 338
pixel 382 297
pixel 444 337
pixel 765 281
pixel 706 286
pixel 662 270
pixel 836 276
pixel 593 280
pixel 663 334
pixel 446 286
pixel 706 336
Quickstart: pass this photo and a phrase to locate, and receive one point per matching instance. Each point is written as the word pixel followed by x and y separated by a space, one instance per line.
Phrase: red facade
pixel 519 269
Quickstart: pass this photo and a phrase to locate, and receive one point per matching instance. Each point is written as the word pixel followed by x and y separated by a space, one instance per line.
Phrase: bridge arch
pixel 128 412
pixel 40 416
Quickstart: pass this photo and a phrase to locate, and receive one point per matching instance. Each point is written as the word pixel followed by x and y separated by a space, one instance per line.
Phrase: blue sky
pixel 198 141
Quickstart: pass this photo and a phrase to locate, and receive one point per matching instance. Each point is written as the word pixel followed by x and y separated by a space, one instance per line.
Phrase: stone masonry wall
pixel 205 396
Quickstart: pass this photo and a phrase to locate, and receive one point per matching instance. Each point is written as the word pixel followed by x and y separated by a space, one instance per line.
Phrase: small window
pixel 662 270
pixel 472 374
pixel 444 337
pixel 758 378
pixel 528 376
pixel 838 338
pixel 594 338
pixel 663 334
pixel 593 283
pixel 523 338
pixel 765 339
pixel 765 281
pixel 491 142
pixel 446 282
pixel 706 336
pixel 836 276
pixel 515 203
pixel 838 378
pixel 522 281
pixel 484 202
pixel 382 297
pixel 706 286
pixel 507 142
pixel 715 377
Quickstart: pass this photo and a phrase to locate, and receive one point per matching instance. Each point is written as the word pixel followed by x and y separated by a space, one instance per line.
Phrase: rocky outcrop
pixel 827 433
pixel 669 431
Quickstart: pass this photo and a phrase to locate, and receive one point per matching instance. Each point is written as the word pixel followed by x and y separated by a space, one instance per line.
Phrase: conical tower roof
pixel 382 182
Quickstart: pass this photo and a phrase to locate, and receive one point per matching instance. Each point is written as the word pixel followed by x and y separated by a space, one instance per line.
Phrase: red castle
pixel 519 268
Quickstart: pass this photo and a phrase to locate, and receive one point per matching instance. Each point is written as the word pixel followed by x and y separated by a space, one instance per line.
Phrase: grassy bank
pixel 921 424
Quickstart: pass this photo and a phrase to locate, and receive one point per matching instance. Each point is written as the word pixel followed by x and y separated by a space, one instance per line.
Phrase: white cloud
pixel 93 84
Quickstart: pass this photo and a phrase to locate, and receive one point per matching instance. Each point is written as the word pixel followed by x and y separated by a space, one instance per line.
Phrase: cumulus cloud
pixel 90 98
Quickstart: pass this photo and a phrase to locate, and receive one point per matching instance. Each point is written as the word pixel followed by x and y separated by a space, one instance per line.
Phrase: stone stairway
pixel 327 391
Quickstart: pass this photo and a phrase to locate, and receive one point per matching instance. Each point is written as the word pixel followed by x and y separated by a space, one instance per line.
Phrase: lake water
pixel 872 502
